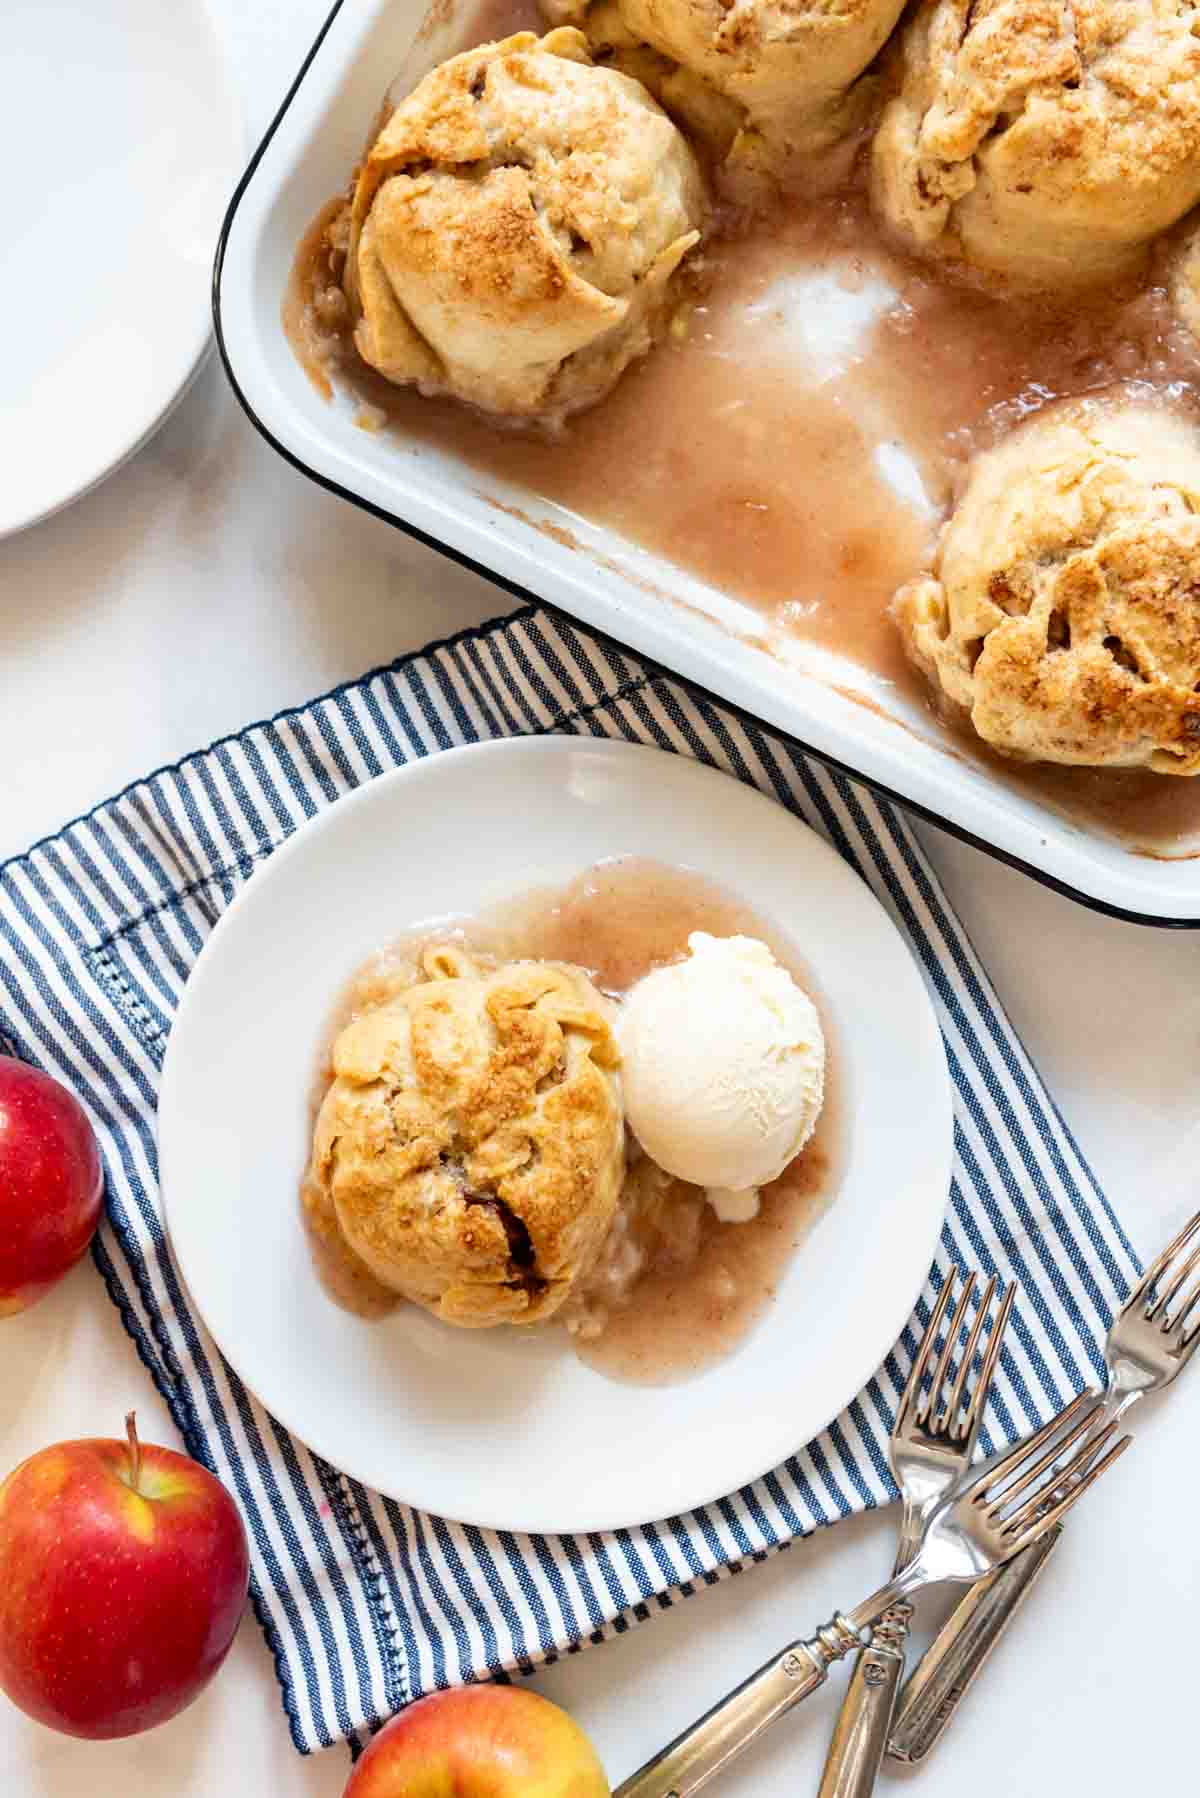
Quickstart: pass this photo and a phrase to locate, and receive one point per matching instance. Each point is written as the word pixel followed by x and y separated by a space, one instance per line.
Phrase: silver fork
pixel 932 1445
pixel 1151 1340
pixel 982 1522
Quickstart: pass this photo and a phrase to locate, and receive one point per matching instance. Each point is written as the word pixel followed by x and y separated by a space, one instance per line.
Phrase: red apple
pixel 123 1573
pixel 479 1742
pixel 51 1183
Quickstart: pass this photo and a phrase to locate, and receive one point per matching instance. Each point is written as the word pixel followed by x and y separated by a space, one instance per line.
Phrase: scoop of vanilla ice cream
pixel 723 1063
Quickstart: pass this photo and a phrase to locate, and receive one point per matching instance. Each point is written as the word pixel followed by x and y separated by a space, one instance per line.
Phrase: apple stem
pixel 135 1449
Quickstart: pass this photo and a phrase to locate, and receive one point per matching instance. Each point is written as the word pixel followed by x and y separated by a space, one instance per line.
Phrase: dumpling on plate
pixel 472 1143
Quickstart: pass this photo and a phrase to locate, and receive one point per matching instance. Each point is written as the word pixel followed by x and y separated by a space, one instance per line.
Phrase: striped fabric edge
pixel 366 1603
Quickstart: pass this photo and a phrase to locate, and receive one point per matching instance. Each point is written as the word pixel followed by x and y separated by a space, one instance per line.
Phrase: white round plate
pixel 121 146
pixel 503 1427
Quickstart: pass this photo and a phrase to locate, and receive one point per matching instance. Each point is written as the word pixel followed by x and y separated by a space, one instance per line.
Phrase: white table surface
pixel 207 584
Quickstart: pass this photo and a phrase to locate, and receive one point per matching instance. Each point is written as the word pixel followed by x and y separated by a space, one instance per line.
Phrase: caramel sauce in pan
pixel 311 315
pixel 780 465
pixel 698 1287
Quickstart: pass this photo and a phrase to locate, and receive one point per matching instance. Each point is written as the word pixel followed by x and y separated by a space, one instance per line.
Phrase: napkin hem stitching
pixel 108 975
pixel 398 1688
pixel 469 633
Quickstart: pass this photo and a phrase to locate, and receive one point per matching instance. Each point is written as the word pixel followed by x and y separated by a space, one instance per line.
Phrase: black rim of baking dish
pixel 527 596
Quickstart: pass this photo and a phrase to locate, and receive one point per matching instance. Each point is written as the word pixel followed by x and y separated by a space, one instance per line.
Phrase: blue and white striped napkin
pixel 365 1602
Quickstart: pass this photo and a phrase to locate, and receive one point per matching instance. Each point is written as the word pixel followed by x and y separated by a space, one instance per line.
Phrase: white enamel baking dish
pixel 831 707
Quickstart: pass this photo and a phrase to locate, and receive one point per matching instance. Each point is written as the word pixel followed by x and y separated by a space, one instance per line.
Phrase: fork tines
pixel 929 1411
pixel 1051 1483
pixel 1162 1307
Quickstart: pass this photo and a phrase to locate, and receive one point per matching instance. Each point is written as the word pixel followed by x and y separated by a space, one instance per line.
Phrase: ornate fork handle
pixel 692 1759
pixel 860 1734
pixel 978 1526
pixel 956 1656
pixel 933 1440
pixel 958 1652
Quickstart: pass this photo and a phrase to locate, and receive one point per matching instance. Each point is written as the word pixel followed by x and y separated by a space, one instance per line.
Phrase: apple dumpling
pixel 1047 141
pixel 472 1143
pixel 516 228
pixel 1062 616
pixel 756 81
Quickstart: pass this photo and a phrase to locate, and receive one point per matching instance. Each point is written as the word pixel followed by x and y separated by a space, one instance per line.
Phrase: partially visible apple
pixel 123 1573
pixel 479 1742
pixel 51 1183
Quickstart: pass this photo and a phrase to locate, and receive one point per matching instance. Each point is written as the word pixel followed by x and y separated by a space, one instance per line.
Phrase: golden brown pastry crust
pixel 472 1141
pixel 757 81
pixel 1063 614
pixel 515 228
pixel 1045 140
pixel 710 118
